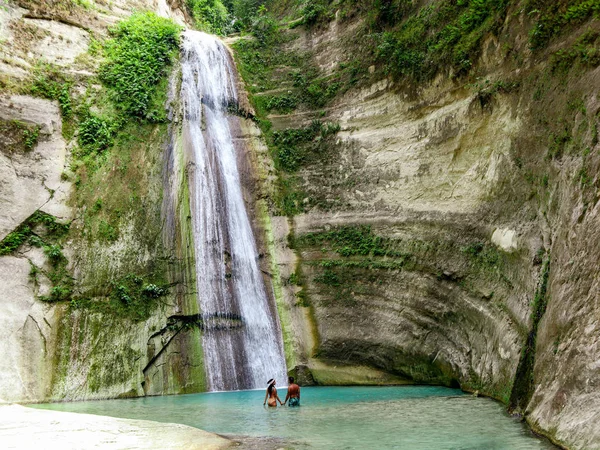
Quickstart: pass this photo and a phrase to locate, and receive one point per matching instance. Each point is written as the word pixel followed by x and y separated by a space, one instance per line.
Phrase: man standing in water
pixel 293 393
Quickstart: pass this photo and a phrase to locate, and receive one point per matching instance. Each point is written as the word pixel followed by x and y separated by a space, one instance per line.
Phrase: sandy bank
pixel 27 428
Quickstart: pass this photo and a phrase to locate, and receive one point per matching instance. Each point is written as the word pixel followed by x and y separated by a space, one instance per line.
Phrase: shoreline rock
pixel 25 428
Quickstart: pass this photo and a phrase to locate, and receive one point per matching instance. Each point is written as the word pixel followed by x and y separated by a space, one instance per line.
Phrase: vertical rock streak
pixel 229 281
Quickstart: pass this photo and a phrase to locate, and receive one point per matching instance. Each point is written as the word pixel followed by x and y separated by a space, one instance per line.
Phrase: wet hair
pixel 291 379
pixel 271 382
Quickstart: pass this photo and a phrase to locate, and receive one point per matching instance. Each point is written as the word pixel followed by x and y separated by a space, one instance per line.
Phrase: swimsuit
pixel 294 401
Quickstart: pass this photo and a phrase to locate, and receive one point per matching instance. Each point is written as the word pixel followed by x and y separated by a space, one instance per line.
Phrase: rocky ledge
pixel 25 428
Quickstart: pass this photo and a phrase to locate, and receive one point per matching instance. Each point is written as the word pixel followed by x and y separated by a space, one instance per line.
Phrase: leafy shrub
pixel 57 294
pixel 24 233
pixel 107 232
pixel 264 27
pixel 14 240
pixel 54 253
pixel 282 103
pixel 141 49
pixel 153 291
pixel 313 11
pixel 245 11
pixel 30 137
pixel 96 134
pixel 439 35
pixel 135 298
pixel 210 15
pixel 556 16
pixel 314 91
pixel 289 143
pixel 53 228
pixel 17 136
pixel 349 241
pixel 50 82
pixel 586 51
pixel 388 12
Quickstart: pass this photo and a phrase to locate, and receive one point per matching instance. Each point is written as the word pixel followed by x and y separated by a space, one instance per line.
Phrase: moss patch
pixel 17 136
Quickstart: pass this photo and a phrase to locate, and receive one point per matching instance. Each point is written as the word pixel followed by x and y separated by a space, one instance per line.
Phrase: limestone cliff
pixel 97 263
pixel 439 228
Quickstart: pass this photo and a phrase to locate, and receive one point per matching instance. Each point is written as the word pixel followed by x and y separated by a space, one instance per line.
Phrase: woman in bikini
pixel 272 394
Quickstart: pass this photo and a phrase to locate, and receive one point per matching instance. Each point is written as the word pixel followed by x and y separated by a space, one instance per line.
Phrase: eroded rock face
pixel 27 335
pixel 492 233
pixel 30 179
pixel 31 182
pixel 61 44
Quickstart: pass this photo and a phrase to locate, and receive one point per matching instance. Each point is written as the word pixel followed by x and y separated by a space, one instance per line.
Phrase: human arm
pixel 287 397
pixel 266 396
pixel 277 397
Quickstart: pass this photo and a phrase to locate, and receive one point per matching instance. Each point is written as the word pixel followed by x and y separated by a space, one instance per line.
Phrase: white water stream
pixel 242 341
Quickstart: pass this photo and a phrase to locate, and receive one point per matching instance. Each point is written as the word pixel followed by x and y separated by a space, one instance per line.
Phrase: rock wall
pixel 80 349
pixel 441 238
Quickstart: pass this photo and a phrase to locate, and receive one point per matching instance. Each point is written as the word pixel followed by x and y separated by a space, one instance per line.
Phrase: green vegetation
pixel 42 230
pixel 48 81
pixel 18 136
pixel 30 137
pixel 137 57
pixel 585 52
pixel 107 232
pixel 356 260
pixel 350 241
pixel 112 210
pixel 482 254
pixel 315 11
pixel 118 123
pixel 441 35
pixel 133 296
pixel 557 16
pixel 25 233
pixel 209 15
pixel 261 67
pixel 295 147
pixel 96 134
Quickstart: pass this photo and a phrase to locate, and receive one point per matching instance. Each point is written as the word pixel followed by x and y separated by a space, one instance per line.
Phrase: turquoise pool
pixel 404 417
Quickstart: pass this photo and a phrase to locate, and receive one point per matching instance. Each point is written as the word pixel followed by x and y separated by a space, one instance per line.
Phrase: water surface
pixel 404 417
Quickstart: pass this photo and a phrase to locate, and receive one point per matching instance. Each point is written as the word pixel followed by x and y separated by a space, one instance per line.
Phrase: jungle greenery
pixel 210 16
pixel 443 34
pixel 137 57
pixel 134 71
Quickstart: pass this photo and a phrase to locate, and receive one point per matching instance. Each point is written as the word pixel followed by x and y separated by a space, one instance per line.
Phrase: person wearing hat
pixel 272 394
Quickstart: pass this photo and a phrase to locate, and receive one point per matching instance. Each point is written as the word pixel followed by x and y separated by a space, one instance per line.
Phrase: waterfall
pixel 241 339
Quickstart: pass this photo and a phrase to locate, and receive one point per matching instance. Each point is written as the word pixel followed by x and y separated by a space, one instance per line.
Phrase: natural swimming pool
pixel 403 417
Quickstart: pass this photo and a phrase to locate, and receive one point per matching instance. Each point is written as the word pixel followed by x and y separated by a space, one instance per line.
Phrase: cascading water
pixel 241 340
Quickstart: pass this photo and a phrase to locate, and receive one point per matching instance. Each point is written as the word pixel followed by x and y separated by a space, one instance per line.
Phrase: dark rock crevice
pixel 181 323
pixel 523 386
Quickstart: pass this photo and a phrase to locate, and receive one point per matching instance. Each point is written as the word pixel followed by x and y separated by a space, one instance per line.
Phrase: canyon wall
pixel 439 230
